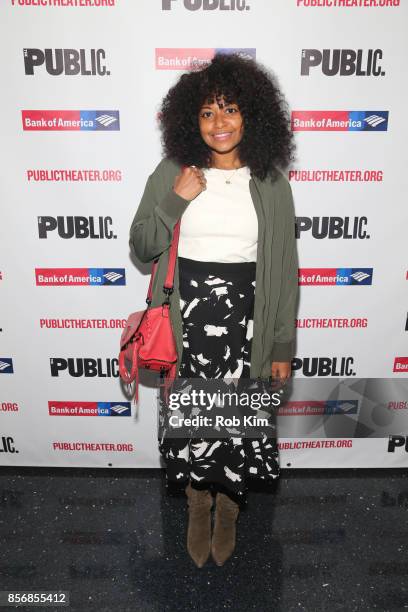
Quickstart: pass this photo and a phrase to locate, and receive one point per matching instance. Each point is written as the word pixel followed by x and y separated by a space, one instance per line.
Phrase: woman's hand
pixel 190 182
pixel 281 370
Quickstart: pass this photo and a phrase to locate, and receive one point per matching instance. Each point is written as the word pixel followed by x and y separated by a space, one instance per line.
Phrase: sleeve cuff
pixel 173 205
pixel 282 351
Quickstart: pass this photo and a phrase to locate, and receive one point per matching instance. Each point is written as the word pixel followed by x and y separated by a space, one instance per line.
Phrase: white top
pixel 221 223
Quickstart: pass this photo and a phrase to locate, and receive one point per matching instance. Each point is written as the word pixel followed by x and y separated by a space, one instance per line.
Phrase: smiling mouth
pixel 222 136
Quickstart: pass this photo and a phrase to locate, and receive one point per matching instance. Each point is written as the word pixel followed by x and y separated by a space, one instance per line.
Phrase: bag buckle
pixel 168 291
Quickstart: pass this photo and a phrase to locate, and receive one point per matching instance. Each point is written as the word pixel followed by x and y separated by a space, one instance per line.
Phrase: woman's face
pixel 221 126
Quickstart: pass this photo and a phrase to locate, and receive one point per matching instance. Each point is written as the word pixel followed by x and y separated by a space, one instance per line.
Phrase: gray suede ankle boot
pixel 199 524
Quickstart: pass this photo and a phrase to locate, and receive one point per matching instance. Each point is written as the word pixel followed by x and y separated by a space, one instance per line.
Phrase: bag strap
pixel 168 283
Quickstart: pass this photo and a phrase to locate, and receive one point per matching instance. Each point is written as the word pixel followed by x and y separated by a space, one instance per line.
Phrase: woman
pixel 226 136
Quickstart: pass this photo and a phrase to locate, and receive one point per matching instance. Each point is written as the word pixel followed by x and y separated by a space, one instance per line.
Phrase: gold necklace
pixel 228 182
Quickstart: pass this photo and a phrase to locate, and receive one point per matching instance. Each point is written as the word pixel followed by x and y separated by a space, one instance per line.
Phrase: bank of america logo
pixel 90 409
pixel 6 365
pixel 341 407
pixel 106 120
pixel 359 276
pixel 74 120
pixel 347 406
pixel 113 276
pixel 374 120
pixel 120 408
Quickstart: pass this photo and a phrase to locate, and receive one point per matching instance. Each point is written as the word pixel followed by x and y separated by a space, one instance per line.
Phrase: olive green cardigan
pixel 276 286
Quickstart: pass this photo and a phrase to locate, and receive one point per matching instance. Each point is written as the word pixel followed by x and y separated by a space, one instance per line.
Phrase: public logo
pixel 70 62
pixel 332 227
pixel 97 277
pixel 342 62
pixel 336 176
pixel 70 120
pixel 9 407
pixel 324 366
pixel 87 367
pixel 331 322
pixel 339 121
pixel 74 175
pixel 7 445
pixel 335 276
pixel 82 323
pixel 207 5
pixel 95 409
pixel 91 447
pixel 400 405
pixel 6 365
pixel 88 5
pixel 76 227
pixel 397 442
pixel 348 4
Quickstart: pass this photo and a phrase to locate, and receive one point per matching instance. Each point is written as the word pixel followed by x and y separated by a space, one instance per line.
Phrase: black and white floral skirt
pixel 216 302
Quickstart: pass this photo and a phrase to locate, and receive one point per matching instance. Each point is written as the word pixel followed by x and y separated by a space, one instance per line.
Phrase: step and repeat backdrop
pixel 82 86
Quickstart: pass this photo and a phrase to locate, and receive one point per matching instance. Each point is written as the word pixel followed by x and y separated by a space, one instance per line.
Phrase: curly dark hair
pixel 267 142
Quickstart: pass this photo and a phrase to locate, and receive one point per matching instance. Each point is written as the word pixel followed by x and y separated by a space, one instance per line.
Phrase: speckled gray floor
pixel 323 540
